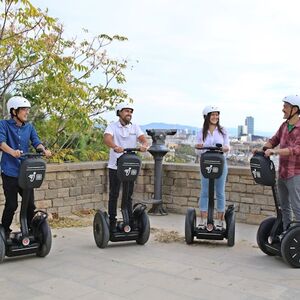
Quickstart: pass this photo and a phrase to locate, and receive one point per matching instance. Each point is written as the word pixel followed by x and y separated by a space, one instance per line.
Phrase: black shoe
pixel 7 233
pixel 30 231
pixel 134 224
pixel 113 226
pixel 281 236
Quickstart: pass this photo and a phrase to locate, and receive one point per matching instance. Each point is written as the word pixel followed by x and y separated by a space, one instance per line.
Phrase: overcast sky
pixel 241 55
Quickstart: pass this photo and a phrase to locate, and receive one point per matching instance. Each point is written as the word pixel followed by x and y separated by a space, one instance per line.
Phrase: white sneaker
pixel 203 223
pixel 219 224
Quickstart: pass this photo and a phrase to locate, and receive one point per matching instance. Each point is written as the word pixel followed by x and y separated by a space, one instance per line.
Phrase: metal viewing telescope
pixel 158 150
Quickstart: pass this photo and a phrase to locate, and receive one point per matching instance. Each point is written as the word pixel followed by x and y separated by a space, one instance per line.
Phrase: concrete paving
pixel 77 269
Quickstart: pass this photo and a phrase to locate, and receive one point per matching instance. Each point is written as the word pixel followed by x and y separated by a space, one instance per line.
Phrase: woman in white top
pixel 211 134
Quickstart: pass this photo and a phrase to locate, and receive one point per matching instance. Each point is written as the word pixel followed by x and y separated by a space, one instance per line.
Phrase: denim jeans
pixel 219 191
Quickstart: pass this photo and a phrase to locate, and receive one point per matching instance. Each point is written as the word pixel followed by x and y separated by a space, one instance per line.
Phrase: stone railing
pixel 80 186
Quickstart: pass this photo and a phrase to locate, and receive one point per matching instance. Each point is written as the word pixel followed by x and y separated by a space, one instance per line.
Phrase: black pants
pixel 11 189
pixel 114 190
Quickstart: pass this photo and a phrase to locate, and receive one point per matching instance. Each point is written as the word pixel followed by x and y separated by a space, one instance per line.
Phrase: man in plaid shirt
pixel 288 139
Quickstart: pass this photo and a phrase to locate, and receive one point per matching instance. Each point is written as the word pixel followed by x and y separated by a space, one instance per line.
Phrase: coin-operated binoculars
pixel 158 150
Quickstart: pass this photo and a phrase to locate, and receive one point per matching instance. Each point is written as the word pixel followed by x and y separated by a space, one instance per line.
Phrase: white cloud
pixel 240 55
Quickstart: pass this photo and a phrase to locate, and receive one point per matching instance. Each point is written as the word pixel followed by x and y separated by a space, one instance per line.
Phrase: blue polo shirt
pixel 18 138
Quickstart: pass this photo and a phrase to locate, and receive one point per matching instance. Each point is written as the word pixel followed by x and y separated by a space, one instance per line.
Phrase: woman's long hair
pixel 206 127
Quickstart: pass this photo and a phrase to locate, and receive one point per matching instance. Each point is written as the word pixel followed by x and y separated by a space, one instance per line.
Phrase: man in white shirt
pixel 119 135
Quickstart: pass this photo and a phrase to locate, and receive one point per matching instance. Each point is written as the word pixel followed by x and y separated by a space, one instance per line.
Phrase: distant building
pixel 242 130
pixel 249 122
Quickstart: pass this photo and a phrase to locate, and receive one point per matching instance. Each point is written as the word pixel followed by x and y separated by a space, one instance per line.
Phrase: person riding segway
pixel 271 236
pixel 214 138
pixel 212 162
pixel 18 177
pixel 134 224
pixel 119 136
pixel 280 235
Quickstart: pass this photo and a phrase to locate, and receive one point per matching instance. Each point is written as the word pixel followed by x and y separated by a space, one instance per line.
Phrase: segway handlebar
pixel 128 150
pixel 38 153
pixel 261 152
pixel 217 148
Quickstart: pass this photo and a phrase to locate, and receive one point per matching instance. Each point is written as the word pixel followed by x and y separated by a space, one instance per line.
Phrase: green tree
pixel 70 83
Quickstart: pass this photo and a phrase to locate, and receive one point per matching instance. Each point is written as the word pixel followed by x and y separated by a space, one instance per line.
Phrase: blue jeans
pixel 219 190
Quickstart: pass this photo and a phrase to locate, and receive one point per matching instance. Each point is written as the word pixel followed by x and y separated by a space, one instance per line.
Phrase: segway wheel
pixel 45 238
pixel 101 230
pixel 190 224
pixel 231 230
pixel 2 244
pixel 144 229
pixel 263 233
pixel 290 247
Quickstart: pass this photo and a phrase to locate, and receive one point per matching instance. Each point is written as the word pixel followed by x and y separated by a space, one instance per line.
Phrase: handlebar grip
pixel 131 150
pixel 27 154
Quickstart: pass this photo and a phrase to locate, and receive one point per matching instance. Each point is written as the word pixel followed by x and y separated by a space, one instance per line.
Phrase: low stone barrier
pixel 181 189
pixel 72 187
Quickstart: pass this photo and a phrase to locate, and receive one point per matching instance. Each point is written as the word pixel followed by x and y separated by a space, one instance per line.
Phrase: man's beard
pixel 126 121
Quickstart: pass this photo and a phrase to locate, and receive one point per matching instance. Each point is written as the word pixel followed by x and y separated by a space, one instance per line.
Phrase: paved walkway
pixel 77 269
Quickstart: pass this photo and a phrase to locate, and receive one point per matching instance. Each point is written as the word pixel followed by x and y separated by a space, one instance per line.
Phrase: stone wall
pixel 181 189
pixel 70 187
pixel 76 186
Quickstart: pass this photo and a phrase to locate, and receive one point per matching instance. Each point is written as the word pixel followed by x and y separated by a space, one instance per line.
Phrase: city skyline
pixel 232 131
pixel 239 55
pixel 249 122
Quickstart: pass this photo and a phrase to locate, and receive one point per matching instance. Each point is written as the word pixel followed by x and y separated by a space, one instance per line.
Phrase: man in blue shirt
pixel 15 136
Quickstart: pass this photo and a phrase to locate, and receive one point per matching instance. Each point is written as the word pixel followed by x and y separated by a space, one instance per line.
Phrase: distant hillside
pixel 168 126
pixel 232 131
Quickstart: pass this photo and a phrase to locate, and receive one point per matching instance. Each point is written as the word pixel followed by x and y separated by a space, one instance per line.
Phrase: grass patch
pixel 165 236
pixel 82 218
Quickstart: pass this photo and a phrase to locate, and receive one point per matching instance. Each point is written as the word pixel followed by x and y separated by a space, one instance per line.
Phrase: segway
pixel 36 240
pixel 211 163
pixel 270 236
pixel 136 228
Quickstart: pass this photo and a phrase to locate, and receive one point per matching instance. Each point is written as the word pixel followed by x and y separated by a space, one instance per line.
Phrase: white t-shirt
pixel 123 136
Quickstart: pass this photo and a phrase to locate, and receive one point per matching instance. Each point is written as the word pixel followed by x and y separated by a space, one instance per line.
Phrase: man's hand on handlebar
pixel 144 148
pixel 267 152
pixel 47 153
pixel 119 149
pixel 16 153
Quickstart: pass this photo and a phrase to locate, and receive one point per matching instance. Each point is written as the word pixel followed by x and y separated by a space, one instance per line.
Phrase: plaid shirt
pixel 289 166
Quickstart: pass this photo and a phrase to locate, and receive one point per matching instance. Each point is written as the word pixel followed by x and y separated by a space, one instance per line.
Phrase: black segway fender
pixel 230 225
pixel 2 243
pixel 144 228
pixel 138 209
pixel 229 211
pixel 39 217
pixel 42 232
pixel 263 234
pixel 101 229
pixel 190 224
pixel 44 236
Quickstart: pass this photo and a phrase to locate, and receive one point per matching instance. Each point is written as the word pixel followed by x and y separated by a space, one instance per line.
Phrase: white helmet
pixel 17 102
pixel 294 100
pixel 208 109
pixel 123 105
